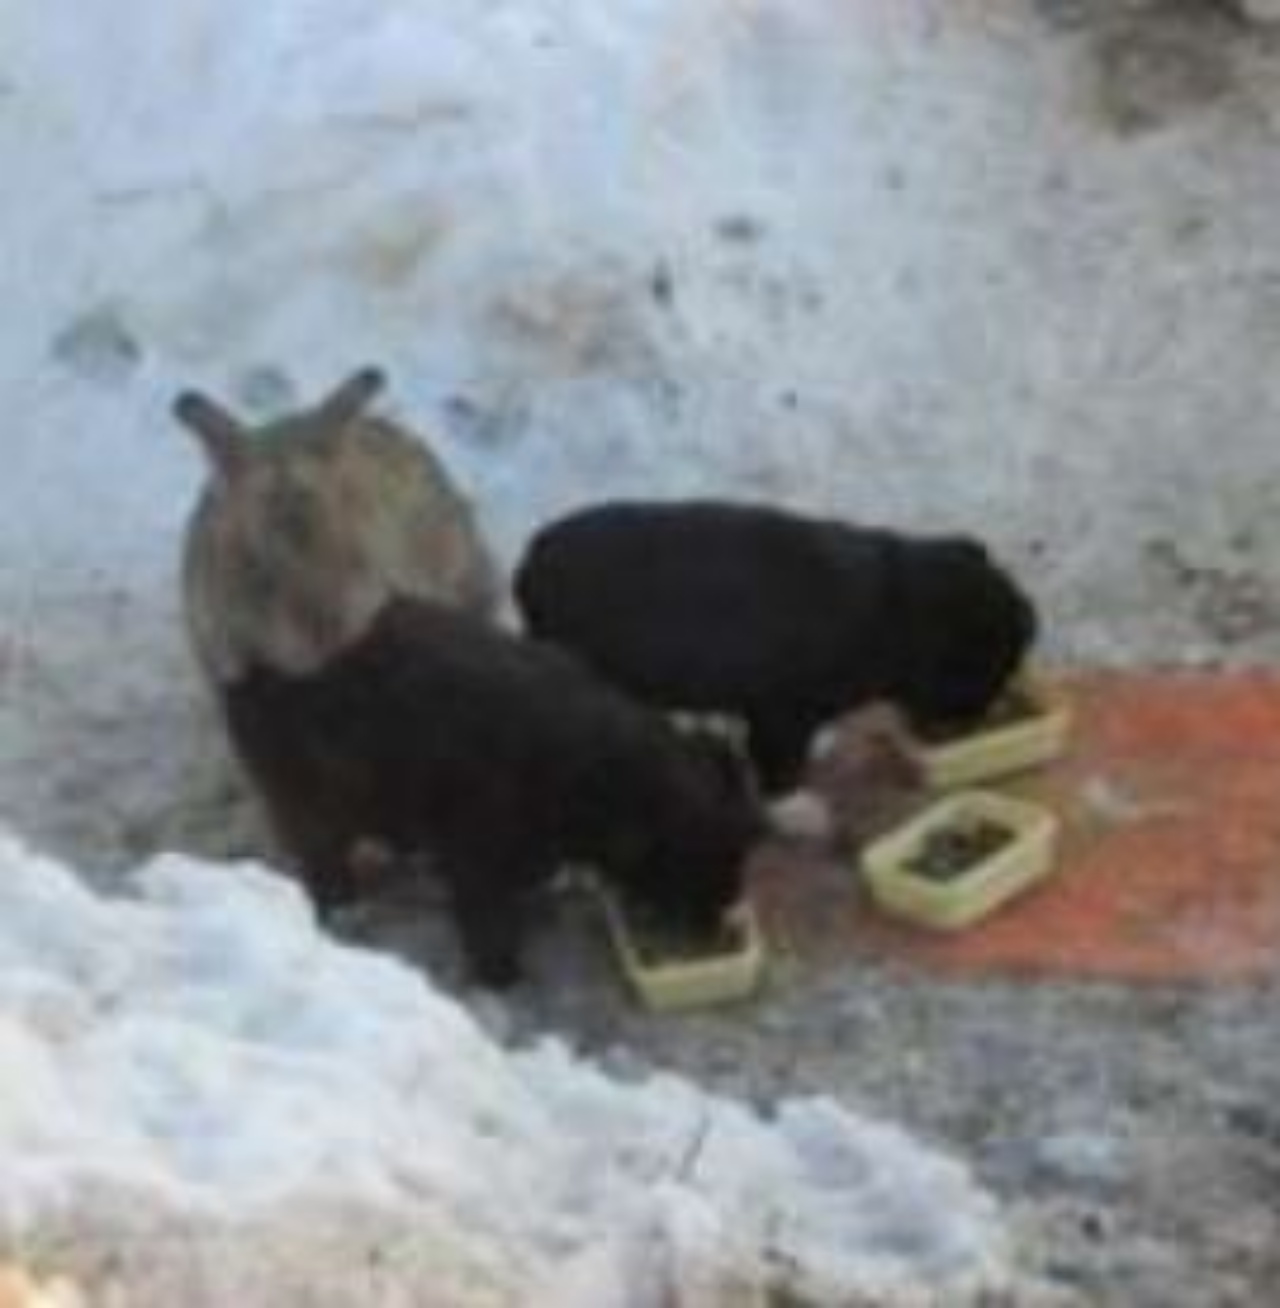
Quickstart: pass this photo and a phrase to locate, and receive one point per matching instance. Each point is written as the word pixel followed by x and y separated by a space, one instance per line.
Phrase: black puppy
pixel 783 620
pixel 500 757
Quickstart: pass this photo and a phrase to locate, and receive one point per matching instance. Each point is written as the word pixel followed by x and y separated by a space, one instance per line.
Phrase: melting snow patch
pixel 202 1096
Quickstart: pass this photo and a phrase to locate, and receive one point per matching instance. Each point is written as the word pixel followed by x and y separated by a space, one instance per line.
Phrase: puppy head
pixel 690 865
pixel 968 628
pixel 280 566
pixel 310 522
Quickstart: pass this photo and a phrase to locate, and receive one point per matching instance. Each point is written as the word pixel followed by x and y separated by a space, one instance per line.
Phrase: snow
pixel 19 1289
pixel 195 1067
pixel 880 259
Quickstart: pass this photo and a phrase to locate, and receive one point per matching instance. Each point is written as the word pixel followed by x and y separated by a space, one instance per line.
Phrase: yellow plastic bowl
pixel 951 905
pixel 1001 750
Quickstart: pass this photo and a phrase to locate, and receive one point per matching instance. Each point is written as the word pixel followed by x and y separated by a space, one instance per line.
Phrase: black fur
pixel 784 620
pixel 500 757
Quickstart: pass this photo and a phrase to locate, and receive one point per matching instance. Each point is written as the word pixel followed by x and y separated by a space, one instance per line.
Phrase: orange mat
pixel 1170 862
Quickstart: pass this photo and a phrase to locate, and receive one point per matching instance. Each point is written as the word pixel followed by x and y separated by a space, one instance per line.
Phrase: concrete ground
pixel 1103 1052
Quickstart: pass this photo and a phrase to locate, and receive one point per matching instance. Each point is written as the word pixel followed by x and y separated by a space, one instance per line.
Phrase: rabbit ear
pixel 347 400
pixel 218 431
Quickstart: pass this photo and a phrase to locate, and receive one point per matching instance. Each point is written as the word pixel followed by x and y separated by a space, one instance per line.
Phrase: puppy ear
pixel 351 397
pixel 219 431
pixel 722 758
pixel 727 764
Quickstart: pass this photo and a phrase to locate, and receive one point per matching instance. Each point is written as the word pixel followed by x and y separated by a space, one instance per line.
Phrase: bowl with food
pixel 670 968
pixel 1027 727
pixel 961 859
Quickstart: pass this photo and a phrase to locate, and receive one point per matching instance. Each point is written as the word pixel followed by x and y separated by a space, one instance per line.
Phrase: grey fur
pixel 310 524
